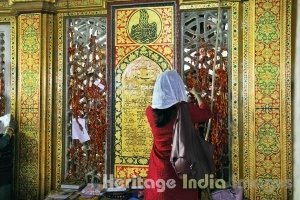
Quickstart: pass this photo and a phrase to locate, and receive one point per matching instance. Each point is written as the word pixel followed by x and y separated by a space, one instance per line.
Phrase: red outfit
pixel 160 167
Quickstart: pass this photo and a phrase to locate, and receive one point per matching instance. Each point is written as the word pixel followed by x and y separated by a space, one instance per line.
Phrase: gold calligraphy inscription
pixel 137 86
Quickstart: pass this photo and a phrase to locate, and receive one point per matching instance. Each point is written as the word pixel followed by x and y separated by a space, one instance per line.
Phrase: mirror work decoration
pixel 86 92
pixel 203 37
pixel 142 47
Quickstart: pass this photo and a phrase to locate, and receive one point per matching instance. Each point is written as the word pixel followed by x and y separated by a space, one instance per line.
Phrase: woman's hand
pixel 194 91
pixel 197 95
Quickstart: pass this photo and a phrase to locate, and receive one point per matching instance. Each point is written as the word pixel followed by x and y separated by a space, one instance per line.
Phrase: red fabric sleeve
pixel 200 113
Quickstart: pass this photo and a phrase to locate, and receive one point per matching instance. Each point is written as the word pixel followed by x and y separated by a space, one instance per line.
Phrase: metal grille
pixel 86 96
pixel 199 27
pixel 200 32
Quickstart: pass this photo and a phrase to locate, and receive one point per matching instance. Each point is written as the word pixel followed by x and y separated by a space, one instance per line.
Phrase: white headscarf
pixel 168 90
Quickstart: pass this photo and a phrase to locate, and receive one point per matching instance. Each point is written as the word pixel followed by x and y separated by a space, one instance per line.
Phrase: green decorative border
pixel 164 64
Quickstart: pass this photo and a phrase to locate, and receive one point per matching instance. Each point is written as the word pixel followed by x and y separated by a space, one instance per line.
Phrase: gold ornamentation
pixel 4 5
pixel 29 109
pixel 80 4
pixel 135 74
pixel 131 171
pixel 270 165
pixel 35 103
pixel 258 108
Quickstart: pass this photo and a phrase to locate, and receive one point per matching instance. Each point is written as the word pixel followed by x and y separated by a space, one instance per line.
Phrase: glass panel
pixel 86 96
pixel 199 36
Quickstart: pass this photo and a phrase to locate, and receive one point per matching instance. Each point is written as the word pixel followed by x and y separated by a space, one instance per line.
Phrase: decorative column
pixel 270 136
pixel 34 116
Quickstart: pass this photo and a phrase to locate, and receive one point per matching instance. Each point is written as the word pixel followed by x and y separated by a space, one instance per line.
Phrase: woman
pixel 168 91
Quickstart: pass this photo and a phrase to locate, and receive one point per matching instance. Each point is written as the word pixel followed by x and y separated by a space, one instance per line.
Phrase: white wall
pixel 296 117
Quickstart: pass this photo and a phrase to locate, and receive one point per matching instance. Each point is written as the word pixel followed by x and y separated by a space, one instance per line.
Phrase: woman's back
pixel 160 168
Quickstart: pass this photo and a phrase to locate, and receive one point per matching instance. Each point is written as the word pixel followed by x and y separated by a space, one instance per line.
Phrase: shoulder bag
pixel 190 154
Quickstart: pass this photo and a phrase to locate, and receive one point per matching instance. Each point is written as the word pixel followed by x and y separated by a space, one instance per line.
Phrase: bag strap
pixel 176 121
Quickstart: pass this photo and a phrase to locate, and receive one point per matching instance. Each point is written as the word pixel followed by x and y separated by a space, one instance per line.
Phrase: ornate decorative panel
pixel 143 45
pixel 29 107
pixel 80 3
pixel 271 141
pixel 229 32
pixel 202 37
pixel 265 91
pixel 35 106
pixel 86 96
pixel 61 106
pixel 259 48
pixel 4 4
